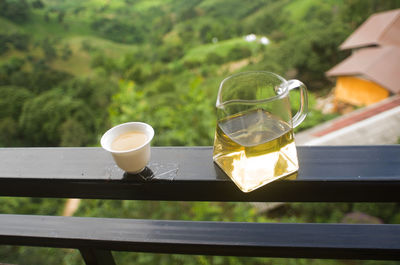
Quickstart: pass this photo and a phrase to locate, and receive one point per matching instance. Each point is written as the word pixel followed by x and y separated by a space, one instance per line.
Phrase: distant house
pixel 372 72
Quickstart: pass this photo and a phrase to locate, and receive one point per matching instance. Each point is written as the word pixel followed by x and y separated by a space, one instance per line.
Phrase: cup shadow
pixel 145 175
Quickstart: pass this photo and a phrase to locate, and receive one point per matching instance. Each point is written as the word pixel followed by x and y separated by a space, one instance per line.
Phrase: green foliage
pixel 314 117
pixel 66 52
pixel 31 206
pixel 38 4
pixel 15 10
pixel 32 255
pixel 8 68
pixel 117 30
pixel 167 76
pixel 48 50
pixel 175 121
pixel 201 211
pixel 40 79
pixel 99 60
pixel 225 49
pixel 309 46
pixel 11 104
pixel 46 107
pixel 8 132
pixel 68 116
pixel 16 40
pixel 355 12
pixel 238 53
pixel 96 95
pixel 268 19
pixel 43 116
pixel 214 58
pixel 12 101
pixel 170 52
pixel 387 212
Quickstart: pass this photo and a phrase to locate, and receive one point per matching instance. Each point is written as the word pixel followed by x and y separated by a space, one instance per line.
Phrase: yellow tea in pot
pixel 254 148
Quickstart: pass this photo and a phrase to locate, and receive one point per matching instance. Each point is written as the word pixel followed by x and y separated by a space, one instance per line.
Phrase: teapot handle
pixel 303 110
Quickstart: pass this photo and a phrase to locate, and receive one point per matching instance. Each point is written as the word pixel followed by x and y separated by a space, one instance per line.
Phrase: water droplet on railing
pixel 167 171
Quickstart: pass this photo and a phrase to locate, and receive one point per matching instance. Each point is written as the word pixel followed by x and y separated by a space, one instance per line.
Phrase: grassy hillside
pixel 70 69
pixel 187 26
pixel 167 48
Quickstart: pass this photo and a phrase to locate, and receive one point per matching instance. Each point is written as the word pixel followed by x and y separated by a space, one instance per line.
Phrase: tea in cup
pixel 129 144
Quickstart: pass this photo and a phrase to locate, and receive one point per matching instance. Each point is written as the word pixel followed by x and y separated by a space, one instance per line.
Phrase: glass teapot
pixel 254 139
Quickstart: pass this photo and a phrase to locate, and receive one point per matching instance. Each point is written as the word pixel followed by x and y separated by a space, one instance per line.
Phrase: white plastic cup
pixel 133 160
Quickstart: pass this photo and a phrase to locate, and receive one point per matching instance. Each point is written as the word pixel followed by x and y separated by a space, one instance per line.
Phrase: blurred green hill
pixel 84 52
pixel 71 69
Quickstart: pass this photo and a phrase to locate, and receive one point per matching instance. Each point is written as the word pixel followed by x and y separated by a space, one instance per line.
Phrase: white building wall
pixel 383 128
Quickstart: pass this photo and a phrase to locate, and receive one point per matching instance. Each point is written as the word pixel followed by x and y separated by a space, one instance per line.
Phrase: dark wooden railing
pixel 327 174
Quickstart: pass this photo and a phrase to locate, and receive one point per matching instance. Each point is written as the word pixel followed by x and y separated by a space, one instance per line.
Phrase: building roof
pixel 368 125
pixel 379 29
pixel 378 64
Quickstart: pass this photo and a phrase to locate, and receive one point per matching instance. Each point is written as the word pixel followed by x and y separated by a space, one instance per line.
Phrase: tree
pixel 8 68
pixel 61 15
pixel 3 44
pixel 66 52
pixel 178 117
pixel 214 58
pixel 73 133
pixel 118 30
pixel 8 132
pixel 99 60
pixel 171 52
pixel 15 10
pixel 11 101
pixel 238 53
pixel 96 93
pixel 135 74
pixel 355 12
pixel 41 79
pixel 48 49
pixel 309 46
pixel 38 4
pixel 43 117
pixel 19 41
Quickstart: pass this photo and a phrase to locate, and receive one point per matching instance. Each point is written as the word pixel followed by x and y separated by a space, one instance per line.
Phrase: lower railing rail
pixel 96 237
